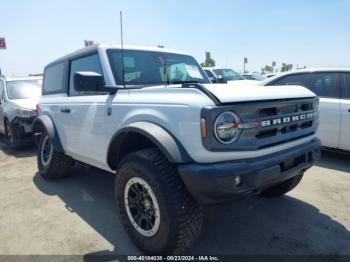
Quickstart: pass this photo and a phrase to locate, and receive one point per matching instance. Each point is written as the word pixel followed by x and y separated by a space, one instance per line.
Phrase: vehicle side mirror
pixel 212 79
pixel 88 81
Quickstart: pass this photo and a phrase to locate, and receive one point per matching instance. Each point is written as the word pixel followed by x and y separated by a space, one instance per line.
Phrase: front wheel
pixel 11 136
pixel 282 188
pixel 157 211
pixel 51 163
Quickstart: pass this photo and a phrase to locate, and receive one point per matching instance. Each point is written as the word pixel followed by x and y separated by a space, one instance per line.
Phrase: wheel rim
pixel 9 133
pixel 46 151
pixel 142 206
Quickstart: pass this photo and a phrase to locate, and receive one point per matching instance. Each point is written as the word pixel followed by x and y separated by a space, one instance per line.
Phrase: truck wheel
pixel 12 139
pixel 157 211
pixel 51 163
pixel 282 188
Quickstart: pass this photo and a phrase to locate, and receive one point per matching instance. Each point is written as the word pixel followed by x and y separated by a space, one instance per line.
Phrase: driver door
pixel 83 116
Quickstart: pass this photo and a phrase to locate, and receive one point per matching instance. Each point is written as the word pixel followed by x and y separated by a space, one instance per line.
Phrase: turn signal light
pixel 203 128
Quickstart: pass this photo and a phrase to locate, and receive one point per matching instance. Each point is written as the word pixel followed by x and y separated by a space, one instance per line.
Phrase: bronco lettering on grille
pixel 276 121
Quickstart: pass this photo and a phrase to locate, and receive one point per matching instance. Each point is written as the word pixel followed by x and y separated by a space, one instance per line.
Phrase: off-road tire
pixel 282 188
pixel 181 217
pixel 57 167
pixel 11 137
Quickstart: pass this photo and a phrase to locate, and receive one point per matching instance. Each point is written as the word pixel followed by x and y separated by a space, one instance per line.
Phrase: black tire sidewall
pixel 43 169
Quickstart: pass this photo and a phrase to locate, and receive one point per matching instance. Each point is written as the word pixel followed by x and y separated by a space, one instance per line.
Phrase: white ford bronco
pixel 175 141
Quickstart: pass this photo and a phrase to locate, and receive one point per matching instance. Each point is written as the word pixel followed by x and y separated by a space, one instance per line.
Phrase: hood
pixel 228 93
pixel 28 103
pixel 243 82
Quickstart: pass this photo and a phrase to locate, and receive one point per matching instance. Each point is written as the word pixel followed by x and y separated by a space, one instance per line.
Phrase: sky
pixel 312 33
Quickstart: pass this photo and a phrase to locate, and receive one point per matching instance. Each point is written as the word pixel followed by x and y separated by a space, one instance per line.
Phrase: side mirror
pixel 212 79
pixel 88 81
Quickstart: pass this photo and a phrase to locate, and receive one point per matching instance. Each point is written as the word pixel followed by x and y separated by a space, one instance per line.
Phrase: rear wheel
pixel 157 211
pixel 51 163
pixel 282 188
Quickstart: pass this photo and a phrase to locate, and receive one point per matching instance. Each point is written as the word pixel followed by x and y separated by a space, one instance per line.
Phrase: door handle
pixel 65 110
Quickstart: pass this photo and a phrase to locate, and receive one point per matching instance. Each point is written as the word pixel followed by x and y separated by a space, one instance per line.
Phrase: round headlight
pixel 226 127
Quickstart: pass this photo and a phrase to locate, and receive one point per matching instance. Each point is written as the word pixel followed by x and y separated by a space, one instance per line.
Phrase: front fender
pixel 166 142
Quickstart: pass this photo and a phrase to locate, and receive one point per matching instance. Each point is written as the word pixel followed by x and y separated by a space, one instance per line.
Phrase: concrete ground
pixel 77 215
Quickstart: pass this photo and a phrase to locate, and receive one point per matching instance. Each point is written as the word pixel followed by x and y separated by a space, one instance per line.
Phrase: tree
pixel 286 67
pixel 267 69
pixel 209 62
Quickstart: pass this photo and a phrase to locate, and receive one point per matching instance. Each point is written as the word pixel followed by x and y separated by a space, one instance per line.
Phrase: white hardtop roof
pixel 314 70
pixel 322 69
pixel 305 70
pixel 18 78
pixel 118 46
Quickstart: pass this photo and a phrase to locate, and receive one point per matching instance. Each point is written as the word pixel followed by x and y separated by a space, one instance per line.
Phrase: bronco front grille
pixel 266 123
pixel 285 119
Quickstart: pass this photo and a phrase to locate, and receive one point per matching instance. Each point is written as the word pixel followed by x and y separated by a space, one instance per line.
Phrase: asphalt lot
pixel 77 216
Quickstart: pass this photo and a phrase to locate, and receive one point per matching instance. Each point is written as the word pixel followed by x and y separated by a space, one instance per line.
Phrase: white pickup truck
pixel 174 141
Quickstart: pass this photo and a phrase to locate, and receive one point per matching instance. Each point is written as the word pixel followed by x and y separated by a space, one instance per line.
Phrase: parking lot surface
pixel 76 215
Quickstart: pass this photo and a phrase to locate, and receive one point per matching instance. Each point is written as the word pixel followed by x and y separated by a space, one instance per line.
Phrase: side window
pixel 89 63
pixel 54 79
pixel 322 84
pixel 346 86
pixel 300 79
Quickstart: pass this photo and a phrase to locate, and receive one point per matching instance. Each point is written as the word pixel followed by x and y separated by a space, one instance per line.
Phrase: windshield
pixel 228 74
pixel 155 68
pixel 21 89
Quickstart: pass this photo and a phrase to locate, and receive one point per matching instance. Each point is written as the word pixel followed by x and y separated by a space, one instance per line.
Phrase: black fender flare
pixel 44 121
pixel 167 143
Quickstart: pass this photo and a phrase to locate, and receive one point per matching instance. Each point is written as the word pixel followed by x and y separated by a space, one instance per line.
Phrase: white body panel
pixel 329 127
pixel 87 131
pixel 242 83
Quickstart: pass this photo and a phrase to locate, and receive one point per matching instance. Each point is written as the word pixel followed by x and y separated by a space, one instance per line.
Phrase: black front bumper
pixel 23 128
pixel 215 183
